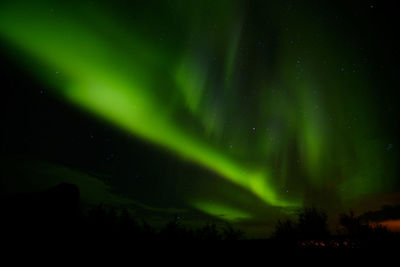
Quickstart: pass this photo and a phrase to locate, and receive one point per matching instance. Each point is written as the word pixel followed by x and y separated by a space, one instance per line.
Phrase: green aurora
pixel 285 119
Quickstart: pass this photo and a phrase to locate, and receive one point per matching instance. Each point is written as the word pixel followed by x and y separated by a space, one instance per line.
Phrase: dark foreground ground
pixel 55 218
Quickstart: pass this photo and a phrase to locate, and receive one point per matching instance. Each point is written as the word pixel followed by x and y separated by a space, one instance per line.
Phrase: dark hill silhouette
pixel 42 215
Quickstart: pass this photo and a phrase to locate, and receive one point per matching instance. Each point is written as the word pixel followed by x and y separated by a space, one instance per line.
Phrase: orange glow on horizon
pixel 392 225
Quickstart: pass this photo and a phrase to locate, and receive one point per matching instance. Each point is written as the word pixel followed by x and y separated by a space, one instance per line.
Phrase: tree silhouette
pixel 312 224
pixel 231 234
pixel 55 215
pixel 174 230
pixel 286 233
pixel 209 232
pixel 310 229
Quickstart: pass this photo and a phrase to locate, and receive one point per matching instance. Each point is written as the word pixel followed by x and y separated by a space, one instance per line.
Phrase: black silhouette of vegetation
pixel 366 233
pixel 310 230
pixel 386 213
pixel 55 215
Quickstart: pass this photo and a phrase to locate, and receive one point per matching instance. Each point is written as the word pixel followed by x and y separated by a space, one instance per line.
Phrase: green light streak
pixel 222 211
pixel 98 78
pixel 308 127
pixel 190 79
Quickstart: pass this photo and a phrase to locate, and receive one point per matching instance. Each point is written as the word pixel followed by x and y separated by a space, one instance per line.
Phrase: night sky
pixel 226 110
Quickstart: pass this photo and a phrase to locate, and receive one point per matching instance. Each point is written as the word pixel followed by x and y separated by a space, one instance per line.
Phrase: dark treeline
pixel 56 215
pixel 122 226
pixel 310 230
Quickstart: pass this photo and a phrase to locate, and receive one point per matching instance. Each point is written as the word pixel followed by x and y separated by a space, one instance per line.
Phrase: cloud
pixel 22 175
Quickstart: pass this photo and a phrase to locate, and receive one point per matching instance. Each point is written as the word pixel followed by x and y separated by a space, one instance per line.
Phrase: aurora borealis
pixel 265 105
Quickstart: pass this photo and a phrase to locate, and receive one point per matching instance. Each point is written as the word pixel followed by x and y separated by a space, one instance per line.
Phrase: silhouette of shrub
pixel 352 225
pixel 174 230
pixel 310 229
pixel 128 229
pixel 209 232
pixel 231 234
pixel 285 230
pixel 312 224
